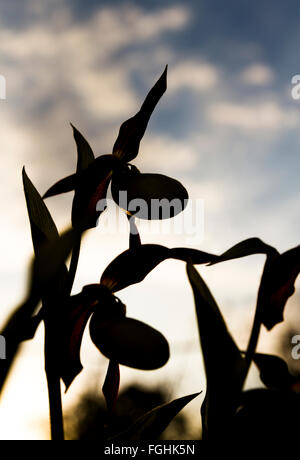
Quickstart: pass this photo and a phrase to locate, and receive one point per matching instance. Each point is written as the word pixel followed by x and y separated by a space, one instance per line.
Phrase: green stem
pixel 253 340
pixel 73 266
pixel 53 382
pixel 51 354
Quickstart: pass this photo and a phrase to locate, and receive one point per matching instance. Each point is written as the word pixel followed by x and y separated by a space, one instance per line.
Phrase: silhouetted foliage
pixel 88 420
pixel 227 409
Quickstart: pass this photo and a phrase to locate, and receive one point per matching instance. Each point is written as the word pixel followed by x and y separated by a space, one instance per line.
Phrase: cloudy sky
pixel 227 128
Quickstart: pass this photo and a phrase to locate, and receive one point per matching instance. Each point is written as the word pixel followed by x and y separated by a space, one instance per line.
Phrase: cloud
pixel 261 116
pixel 108 31
pixel 59 58
pixel 257 75
pixel 164 154
pixel 94 72
pixel 193 74
pixel 59 70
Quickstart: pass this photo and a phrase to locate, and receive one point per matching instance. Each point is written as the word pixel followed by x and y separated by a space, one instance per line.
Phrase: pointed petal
pixel 132 131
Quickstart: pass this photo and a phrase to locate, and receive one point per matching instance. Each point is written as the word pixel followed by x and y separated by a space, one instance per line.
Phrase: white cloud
pixel 193 74
pixel 60 57
pixel 261 116
pixel 59 70
pixel 107 95
pixel 257 75
pixel 161 153
pixel 108 31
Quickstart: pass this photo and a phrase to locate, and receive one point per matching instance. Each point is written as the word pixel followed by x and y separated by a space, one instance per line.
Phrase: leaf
pixel 246 248
pixel 129 342
pixel 224 365
pixel 85 154
pixel 42 225
pixel 133 265
pixel 277 285
pixel 47 264
pixel 274 371
pixel 49 261
pixel 132 131
pixel 15 330
pixel 50 250
pixel 152 424
pixel 149 196
pixel 111 385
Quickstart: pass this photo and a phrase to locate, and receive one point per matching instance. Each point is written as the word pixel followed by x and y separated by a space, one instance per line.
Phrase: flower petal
pixel 73 322
pixel 131 132
pixel 149 196
pixel 133 265
pixel 130 342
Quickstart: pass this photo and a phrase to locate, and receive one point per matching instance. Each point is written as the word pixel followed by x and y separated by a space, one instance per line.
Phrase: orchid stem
pixel 253 340
pixel 73 265
pixel 52 374
pixel 53 382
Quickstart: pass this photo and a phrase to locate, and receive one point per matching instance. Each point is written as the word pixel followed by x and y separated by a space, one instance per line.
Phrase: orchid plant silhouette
pixel 127 341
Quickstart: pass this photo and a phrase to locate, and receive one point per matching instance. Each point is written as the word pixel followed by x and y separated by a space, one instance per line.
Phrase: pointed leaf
pixel 274 371
pixel 224 365
pixel 48 246
pixel 129 342
pixel 152 424
pixel 85 154
pixel 133 265
pixel 42 225
pixel 111 385
pixel 47 264
pixel 132 131
pixel 14 331
pixel 49 261
pixel 246 248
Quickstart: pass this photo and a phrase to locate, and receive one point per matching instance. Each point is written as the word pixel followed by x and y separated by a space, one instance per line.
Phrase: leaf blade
pixel 216 408
pixel 42 225
pixel 152 424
